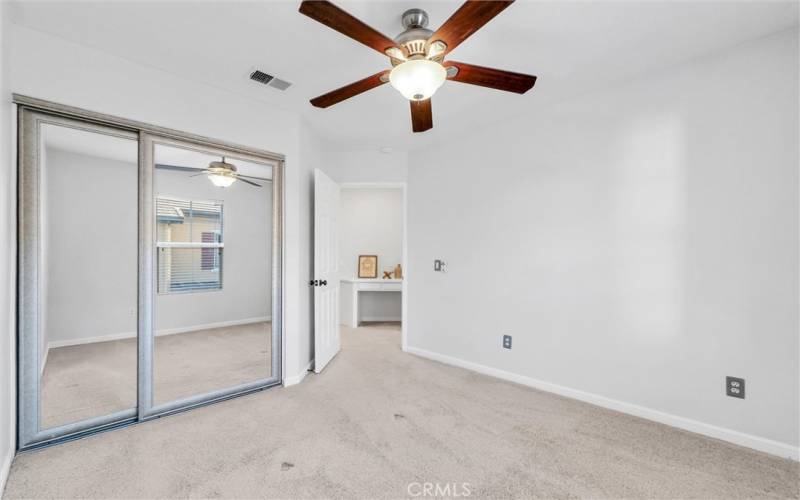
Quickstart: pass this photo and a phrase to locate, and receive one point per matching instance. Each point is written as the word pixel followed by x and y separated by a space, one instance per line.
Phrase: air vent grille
pixel 261 77
pixel 269 80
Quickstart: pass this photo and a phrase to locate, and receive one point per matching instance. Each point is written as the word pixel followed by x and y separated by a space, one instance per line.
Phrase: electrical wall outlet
pixel 506 341
pixel 734 387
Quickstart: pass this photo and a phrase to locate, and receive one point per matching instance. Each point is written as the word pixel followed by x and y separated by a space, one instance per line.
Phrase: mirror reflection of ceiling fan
pixel 220 173
pixel 417 55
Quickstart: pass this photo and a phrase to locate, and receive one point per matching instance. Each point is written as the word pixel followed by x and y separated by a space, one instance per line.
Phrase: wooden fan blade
pixel 335 18
pixel 349 91
pixel 468 19
pixel 239 177
pixel 492 78
pixel 421 115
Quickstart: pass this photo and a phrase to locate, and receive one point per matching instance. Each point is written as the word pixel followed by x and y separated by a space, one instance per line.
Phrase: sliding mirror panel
pixel 213 276
pixel 78 276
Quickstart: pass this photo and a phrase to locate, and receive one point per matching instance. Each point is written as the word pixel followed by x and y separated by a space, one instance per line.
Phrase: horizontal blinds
pixel 189 269
pixel 189 241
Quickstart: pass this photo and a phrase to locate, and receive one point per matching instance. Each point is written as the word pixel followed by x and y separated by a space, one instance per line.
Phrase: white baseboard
pixel 167 331
pixel 6 468
pixel 381 318
pixel 740 438
pixel 296 379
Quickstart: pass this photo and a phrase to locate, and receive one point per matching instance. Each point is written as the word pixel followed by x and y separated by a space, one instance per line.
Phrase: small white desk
pixel 349 296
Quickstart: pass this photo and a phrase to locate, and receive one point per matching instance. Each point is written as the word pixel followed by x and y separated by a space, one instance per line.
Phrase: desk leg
pixel 355 317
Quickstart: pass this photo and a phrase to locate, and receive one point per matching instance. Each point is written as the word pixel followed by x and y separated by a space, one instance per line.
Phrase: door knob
pixel 323 283
pixel 313 283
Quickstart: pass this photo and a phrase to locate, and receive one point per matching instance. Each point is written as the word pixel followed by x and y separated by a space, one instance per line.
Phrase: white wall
pixel 366 166
pixel 639 243
pixel 371 223
pixel 8 416
pixel 94 80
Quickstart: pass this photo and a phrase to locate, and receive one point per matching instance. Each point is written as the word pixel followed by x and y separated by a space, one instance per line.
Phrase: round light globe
pixel 417 79
pixel 221 180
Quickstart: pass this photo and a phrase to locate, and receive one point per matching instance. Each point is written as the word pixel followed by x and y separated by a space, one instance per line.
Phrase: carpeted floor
pixel 89 380
pixel 379 423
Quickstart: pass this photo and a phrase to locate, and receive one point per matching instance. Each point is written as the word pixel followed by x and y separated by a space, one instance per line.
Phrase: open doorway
pixel 371 255
pixel 359 265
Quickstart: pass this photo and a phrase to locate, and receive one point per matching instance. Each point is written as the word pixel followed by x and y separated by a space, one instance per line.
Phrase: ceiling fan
pixel 223 174
pixel 417 55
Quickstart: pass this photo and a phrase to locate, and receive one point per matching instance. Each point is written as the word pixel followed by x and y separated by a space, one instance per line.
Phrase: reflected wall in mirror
pixel 213 258
pixel 88 280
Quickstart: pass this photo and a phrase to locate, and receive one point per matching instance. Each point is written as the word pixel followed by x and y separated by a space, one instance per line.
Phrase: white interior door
pixel 326 270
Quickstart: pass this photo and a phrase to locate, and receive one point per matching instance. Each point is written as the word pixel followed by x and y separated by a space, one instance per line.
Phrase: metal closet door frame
pixel 147 276
pixel 31 113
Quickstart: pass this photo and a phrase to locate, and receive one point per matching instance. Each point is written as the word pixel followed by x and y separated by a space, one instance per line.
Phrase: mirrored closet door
pixel 78 276
pixel 149 273
pixel 212 214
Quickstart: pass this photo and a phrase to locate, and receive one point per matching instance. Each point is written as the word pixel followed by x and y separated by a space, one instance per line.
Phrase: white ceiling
pixel 572 47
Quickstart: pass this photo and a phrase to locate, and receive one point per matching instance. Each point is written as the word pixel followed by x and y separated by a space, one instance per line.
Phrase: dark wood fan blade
pixel 492 78
pixel 421 115
pixel 201 173
pixel 349 91
pixel 339 20
pixel 248 182
pixel 468 19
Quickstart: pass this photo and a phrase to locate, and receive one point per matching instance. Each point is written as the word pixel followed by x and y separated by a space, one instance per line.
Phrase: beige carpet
pixel 89 380
pixel 378 420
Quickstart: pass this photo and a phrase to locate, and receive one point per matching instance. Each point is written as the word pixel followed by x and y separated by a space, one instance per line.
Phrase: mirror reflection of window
pixel 189 235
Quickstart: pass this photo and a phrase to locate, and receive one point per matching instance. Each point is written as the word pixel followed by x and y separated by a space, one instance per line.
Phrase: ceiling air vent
pixel 261 77
pixel 266 79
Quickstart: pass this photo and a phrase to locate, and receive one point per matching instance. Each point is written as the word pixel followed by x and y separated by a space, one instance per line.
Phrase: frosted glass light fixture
pixel 417 79
pixel 221 180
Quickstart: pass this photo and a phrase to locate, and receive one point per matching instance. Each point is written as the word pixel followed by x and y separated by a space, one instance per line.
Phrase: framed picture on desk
pixel 367 266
